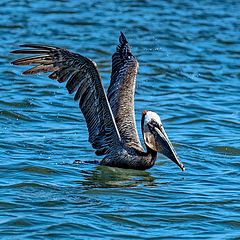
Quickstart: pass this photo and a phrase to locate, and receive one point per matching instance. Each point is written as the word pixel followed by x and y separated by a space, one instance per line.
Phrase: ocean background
pixel 189 57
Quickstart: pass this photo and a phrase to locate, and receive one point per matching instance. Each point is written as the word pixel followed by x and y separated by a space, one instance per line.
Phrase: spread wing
pixel 121 92
pixel 83 79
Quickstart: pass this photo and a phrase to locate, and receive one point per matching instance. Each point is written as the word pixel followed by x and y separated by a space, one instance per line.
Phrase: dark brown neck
pixel 149 158
pixel 153 154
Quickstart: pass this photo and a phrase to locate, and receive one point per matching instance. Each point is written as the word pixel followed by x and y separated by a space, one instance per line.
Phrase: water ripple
pixel 188 54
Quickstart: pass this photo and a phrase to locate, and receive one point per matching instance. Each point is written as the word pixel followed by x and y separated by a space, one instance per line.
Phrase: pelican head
pixel 156 138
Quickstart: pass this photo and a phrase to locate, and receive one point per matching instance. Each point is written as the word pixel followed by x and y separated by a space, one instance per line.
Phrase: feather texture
pixel 121 92
pixel 82 77
pixel 110 119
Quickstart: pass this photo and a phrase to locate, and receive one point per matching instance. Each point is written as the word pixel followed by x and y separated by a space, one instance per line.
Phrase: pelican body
pixel 110 117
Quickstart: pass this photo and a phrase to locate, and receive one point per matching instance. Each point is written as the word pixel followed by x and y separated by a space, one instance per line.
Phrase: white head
pixel 149 116
pixel 156 138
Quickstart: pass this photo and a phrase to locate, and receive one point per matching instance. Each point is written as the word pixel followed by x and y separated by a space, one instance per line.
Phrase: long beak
pixel 164 146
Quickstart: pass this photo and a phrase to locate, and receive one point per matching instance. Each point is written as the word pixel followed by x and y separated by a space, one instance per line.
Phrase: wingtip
pixel 18 50
pixel 38 46
pixel 15 62
pixel 122 38
pixel 27 45
pixel 14 51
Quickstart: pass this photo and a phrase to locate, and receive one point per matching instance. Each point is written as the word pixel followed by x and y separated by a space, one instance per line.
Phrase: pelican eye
pixel 152 125
pixel 155 124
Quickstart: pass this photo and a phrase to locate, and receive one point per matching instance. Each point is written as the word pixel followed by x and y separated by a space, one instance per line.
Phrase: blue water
pixel 189 73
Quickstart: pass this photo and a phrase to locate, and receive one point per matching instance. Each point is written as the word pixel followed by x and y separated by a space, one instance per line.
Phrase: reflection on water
pixel 188 54
pixel 105 177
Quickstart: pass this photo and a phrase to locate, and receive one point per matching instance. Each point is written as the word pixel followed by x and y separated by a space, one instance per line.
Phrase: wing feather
pixel 82 77
pixel 122 90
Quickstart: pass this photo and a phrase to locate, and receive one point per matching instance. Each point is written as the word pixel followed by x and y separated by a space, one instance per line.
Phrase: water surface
pixel 189 73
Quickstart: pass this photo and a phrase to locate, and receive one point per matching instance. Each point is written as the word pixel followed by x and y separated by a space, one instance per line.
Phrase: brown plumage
pixel 121 93
pixel 110 119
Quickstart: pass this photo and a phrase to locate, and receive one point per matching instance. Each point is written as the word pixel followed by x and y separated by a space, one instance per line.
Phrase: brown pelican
pixel 110 118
